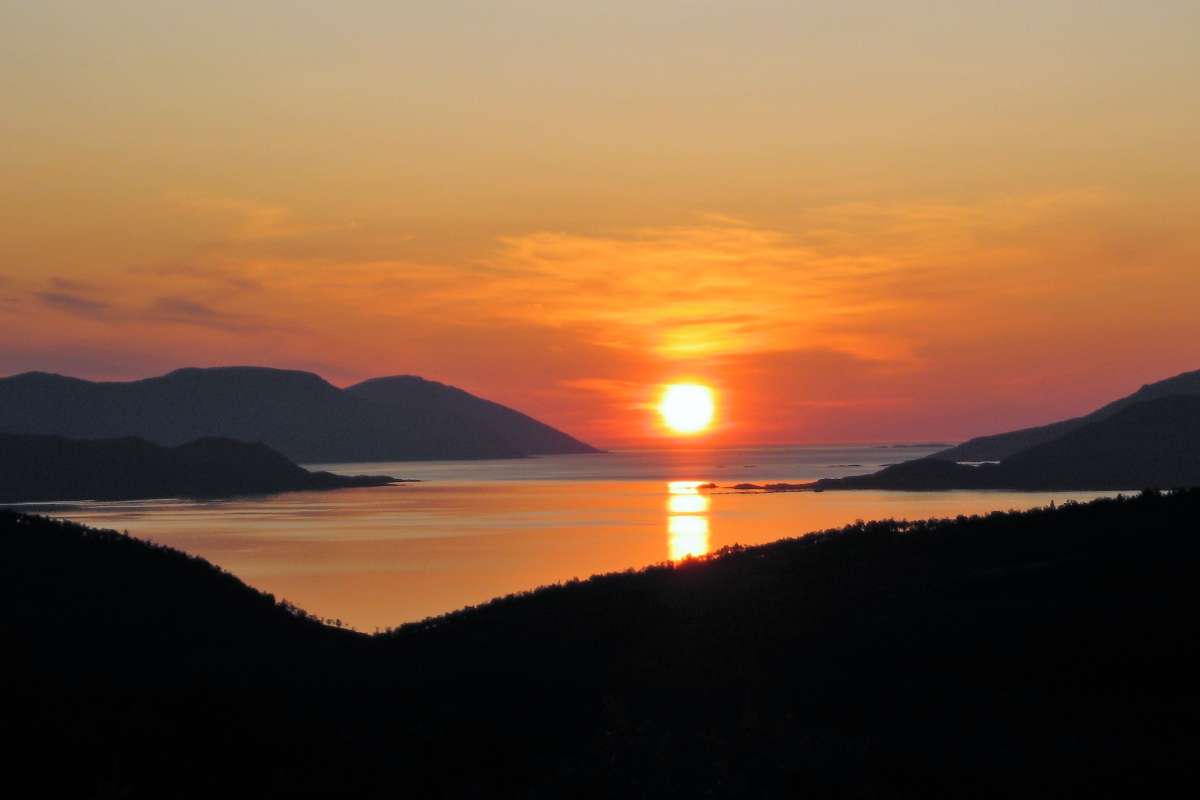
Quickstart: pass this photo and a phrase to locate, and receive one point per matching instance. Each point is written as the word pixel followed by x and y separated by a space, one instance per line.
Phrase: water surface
pixel 470 531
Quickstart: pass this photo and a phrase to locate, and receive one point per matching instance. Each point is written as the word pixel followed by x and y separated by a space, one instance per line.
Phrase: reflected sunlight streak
pixel 687 504
pixel 688 536
pixel 687 525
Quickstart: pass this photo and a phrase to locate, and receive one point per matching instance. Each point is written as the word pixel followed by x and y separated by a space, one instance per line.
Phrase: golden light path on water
pixel 687 520
pixel 472 531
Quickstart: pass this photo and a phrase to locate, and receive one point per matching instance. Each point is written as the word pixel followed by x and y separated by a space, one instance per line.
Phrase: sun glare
pixel 687 407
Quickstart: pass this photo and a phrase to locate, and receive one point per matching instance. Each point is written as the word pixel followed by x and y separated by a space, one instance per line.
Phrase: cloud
pixel 175 309
pixel 845 321
pixel 183 308
pixel 61 284
pixel 75 297
pixel 81 299
pixel 712 290
pixel 7 302
pixel 75 304
pixel 874 281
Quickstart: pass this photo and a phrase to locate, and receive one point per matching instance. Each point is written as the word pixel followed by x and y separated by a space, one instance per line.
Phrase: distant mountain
pixel 1002 445
pixel 40 468
pixel 1155 443
pixel 412 394
pixel 297 413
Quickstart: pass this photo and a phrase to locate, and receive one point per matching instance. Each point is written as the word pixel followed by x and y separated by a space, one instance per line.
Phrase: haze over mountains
pixel 299 414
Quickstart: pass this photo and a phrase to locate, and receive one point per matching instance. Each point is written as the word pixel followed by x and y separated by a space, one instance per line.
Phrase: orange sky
pixel 857 221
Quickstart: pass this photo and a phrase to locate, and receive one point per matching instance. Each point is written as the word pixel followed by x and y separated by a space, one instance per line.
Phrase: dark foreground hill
pixel 1152 444
pixel 36 468
pixel 1043 654
pixel 1002 445
pixel 297 413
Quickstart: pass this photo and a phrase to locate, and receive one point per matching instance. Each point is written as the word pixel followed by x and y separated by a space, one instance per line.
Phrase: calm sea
pixel 470 531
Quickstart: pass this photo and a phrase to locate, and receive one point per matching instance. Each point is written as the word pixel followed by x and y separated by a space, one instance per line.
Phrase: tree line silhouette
pixel 1041 653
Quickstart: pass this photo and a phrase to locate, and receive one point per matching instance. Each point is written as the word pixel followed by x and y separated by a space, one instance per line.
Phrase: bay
pixel 473 530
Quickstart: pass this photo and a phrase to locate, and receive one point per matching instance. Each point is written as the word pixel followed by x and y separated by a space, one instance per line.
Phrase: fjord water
pixel 473 530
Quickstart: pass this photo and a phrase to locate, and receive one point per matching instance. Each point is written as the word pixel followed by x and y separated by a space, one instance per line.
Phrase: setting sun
pixel 687 407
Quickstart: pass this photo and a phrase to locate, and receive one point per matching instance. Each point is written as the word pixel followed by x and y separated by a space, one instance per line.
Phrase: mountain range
pixel 298 414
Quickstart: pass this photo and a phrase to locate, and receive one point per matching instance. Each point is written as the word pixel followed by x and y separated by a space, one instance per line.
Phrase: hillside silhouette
pixel 1002 445
pixel 1047 653
pixel 298 414
pixel 411 394
pixel 1155 443
pixel 39 468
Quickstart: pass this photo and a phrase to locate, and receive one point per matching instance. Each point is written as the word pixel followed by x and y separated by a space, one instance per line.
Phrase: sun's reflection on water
pixel 687 520
pixel 687 504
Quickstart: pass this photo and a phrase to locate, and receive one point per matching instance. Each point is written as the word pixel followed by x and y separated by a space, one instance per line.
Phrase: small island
pixel 48 468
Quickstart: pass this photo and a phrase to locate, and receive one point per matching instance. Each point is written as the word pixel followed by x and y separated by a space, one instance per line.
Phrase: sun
pixel 687 407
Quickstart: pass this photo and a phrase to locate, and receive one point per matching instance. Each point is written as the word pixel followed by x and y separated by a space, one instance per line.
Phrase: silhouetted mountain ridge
pixel 520 431
pixel 1155 443
pixel 1002 445
pixel 43 468
pixel 296 413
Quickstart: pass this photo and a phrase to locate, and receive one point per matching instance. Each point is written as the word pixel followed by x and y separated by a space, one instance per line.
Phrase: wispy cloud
pixel 185 308
pixel 720 288
pixel 855 317
pixel 83 299
pixel 75 304
pixel 7 302
pixel 188 311
pixel 60 284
